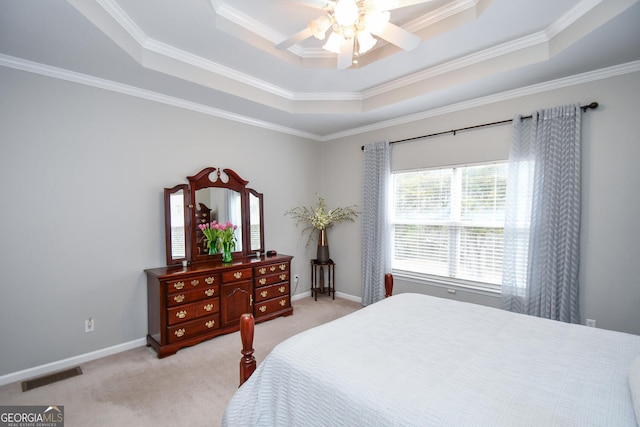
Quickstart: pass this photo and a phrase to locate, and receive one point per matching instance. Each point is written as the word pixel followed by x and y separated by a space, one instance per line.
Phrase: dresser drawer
pixel 195 327
pixel 273 291
pixel 206 307
pixel 186 297
pixel 270 280
pixel 236 275
pixel 181 313
pixel 191 283
pixel 271 269
pixel 271 306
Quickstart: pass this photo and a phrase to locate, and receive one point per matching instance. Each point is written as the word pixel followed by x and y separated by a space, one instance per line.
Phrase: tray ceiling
pixel 219 57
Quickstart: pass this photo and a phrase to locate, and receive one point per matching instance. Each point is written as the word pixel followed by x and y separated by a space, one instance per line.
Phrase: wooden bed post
pixel 248 362
pixel 388 285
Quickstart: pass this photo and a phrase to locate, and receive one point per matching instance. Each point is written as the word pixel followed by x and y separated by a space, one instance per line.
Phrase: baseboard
pixel 338 294
pixel 349 297
pixel 83 358
pixel 72 361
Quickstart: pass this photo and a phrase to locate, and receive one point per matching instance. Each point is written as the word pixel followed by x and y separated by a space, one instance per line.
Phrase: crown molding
pixel 537 39
pixel 605 73
pixel 224 10
pixel 109 85
pixel 572 16
pixel 444 12
pixel 128 24
pixel 74 77
pixel 168 59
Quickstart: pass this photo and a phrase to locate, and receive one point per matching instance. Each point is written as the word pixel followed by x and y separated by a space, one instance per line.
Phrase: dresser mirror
pixel 213 194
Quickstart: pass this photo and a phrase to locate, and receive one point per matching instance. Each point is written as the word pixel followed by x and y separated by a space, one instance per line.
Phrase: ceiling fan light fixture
pixel 320 26
pixel 346 12
pixel 348 33
pixel 333 43
pixel 365 41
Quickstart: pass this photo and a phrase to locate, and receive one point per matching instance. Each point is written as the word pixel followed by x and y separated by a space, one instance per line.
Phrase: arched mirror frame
pixel 202 180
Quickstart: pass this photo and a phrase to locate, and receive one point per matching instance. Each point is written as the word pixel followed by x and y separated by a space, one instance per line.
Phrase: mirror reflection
pixel 221 205
pixel 255 222
pixel 176 207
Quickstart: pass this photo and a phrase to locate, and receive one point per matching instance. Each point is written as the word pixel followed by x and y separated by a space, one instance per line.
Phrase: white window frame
pixel 437 280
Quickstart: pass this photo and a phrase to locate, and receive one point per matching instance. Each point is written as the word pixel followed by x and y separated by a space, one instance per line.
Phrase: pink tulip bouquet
pixel 219 237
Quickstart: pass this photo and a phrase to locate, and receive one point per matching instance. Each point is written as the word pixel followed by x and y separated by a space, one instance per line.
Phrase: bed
pixel 413 359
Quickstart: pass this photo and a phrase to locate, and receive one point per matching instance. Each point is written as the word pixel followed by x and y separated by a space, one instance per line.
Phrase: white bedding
pixel 417 360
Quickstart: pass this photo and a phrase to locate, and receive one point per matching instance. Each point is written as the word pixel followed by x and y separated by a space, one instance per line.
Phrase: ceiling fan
pixel 353 23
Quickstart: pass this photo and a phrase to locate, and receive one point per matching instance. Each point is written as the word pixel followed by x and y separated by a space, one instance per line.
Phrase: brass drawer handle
pixel 179 332
pixel 283 302
pixel 181 314
pixel 262 281
pixel 283 276
pixel 272 268
pixel 195 282
pixel 264 294
pixel 178 285
pixel 283 267
pixel 210 324
pixel 208 307
pixel 237 274
pixel 282 289
pixel 262 308
pixel 209 292
pixel 209 280
pixel 178 298
pixel 262 270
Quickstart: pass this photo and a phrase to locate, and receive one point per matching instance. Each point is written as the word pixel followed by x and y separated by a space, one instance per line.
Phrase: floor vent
pixel 51 378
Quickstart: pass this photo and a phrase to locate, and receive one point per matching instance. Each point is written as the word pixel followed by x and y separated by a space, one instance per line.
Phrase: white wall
pixel 82 173
pixel 610 233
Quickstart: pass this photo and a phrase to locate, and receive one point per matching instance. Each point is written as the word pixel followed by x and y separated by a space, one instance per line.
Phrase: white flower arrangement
pixel 318 218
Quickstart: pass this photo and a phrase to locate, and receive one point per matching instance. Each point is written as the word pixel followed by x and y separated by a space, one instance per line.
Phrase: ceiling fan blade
pixel 398 36
pixel 397 4
pixel 345 58
pixel 294 39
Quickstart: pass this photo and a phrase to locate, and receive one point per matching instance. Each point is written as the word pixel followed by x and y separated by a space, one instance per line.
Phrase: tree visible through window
pixel 450 222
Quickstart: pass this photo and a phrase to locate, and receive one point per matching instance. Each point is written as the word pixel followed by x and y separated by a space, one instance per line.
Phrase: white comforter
pixel 418 360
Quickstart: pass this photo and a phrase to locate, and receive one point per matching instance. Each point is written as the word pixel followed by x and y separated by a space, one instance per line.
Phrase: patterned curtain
pixel 376 260
pixel 542 222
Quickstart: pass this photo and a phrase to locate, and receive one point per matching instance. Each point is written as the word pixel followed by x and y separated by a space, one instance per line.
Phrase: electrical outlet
pixel 296 277
pixel 591 323
pixel 89 325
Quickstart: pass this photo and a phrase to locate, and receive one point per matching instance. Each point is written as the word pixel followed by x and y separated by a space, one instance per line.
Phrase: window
pixel 449 224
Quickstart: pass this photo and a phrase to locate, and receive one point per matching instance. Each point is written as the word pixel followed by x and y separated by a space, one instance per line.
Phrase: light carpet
pixel 191 388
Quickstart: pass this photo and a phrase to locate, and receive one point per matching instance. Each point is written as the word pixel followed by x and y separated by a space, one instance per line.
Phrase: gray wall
pixel 82 173
pixel 610 232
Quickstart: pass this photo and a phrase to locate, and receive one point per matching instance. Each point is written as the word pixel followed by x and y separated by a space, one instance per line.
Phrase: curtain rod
pixel 593 105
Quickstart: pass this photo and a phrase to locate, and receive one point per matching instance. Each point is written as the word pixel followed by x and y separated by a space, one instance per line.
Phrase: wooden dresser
pixel 189 305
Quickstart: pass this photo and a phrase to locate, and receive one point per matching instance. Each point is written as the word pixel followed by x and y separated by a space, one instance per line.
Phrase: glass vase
pixel 226 252
pixel 212 248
